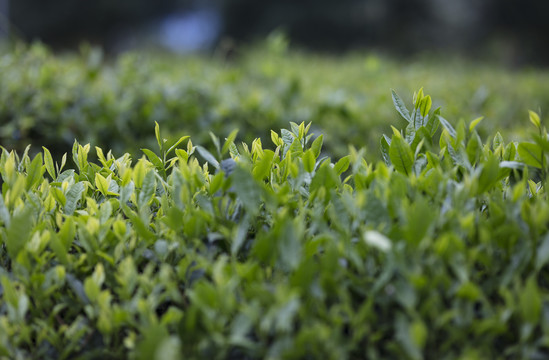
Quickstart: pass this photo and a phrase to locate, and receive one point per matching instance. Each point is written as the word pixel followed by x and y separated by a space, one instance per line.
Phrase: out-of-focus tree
pixel 521 29
pixel 516 30
pixel 4 18
pixel 69 21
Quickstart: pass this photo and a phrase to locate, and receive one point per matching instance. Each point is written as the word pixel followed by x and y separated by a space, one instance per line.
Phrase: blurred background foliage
pixel 49 100
pixel 104 71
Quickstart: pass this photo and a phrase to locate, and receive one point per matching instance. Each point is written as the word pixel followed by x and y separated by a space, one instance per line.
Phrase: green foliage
pixel 113 103
pixel 440 251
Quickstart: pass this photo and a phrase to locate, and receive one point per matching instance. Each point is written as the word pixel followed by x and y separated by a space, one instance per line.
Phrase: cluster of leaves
pixel 438 251
pixel 51 99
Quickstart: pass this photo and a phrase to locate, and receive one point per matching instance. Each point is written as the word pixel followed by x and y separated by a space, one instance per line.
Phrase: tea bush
pixel 113 103
pixel 250 251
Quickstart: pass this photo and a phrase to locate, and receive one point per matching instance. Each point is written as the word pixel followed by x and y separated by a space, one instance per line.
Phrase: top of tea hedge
pixel 49 100
pixel 255 251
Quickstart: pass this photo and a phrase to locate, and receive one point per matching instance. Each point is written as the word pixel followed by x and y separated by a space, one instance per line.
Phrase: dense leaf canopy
pixel 253 251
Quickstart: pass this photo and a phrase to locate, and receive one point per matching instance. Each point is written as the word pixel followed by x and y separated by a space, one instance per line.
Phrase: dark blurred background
pixel 512 31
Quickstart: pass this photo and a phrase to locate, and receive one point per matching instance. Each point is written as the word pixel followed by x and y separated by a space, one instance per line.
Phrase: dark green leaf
pixel 157 162
pixel 385 141
pixel 78 288
pixel 401 155
pixel 19 231
pixel 35 171
pixel 531 154
pixel 216 143
pixel 4 212
pixel 287 137
pixel 489 174
pixel 207 156
pixel 448 127
pixel 147 190
pixel 325 177
pixel 542 254
pixel 247 189
pixel 530 301
pixel 473 148
pixel 400 106
pixel 73 196
pixel 174 146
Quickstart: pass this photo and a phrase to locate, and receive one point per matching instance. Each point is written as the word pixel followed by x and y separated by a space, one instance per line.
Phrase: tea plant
pixel 440 250
pixel 112 102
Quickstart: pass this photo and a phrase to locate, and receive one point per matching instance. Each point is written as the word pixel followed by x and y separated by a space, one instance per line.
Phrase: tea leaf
pixel 247 189
pixel 276 139
pixel 4 213
pixel 73 196
pixel 451 131
pixel 342 165
pixel 530 301
pixel 174 146
pixel 401 155
pixel 156 161
pixel 157 135
pixel 48 162
pixel 147 190
pixel 384 141
pixel 102 184
pixel 474 123
pixel 530 154
pixel 18 232
pixel 262 168
pixel 308 159
pixel 216 143
pixel 534 119
pixel 316 147
pixel 34 171
pixel 425 105
pixel 400 106
pixel 207 156
pixel 542 254
pixel 228 141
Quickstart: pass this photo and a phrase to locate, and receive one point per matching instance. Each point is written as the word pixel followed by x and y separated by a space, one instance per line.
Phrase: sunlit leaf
pixel 228 141
pixel 316 146
pixel 262 168
pixel 308 159
pixel 102 184
pixel 48 162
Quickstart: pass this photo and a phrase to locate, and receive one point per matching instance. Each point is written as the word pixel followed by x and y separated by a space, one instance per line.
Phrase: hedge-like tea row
pixel 50 99
pixel 440 251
